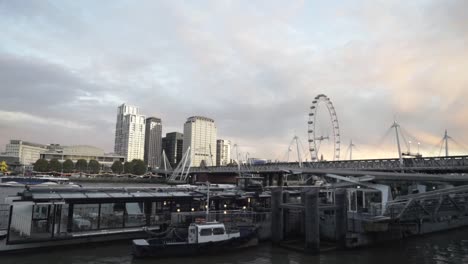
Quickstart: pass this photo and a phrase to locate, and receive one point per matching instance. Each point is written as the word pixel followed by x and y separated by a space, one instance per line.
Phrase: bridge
pixel 451 169
pixel 450 164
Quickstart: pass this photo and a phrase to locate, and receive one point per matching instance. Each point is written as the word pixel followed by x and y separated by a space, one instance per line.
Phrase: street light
pixel 419 143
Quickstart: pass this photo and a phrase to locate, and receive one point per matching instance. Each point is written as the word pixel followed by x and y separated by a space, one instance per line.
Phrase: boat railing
pixel 230 218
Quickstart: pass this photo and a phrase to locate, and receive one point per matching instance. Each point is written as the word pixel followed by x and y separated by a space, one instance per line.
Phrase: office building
pixel 77 152
pixel 172 146
pixel 130 133
pixel 200 136
pixel 223 152
pixel 27 152
pixel 153 143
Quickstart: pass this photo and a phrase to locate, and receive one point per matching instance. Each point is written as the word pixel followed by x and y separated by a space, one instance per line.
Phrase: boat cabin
pixel 364 200
pixel 209 232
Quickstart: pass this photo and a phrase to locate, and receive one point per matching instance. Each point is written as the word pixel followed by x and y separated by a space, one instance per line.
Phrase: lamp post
pixel 419 143
pixel 409 148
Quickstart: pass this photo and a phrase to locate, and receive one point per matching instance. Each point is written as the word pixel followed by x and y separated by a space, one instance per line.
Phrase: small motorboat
pixel 201 238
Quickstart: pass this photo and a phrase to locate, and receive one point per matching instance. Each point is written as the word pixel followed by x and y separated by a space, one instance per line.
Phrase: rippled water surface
pixel 445 247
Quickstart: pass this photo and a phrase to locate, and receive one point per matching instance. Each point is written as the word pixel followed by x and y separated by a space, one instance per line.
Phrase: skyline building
pixel 76 152
pixel 172 146
pixel 223 152
pixel 130 133
pixel 200 135
pixel 153 142
pixel 27 152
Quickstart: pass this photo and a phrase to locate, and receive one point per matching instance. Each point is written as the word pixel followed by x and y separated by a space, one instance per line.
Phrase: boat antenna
pixel 207 201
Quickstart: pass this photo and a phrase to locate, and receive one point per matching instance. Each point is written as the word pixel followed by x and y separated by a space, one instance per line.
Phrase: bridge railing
pixel 428 163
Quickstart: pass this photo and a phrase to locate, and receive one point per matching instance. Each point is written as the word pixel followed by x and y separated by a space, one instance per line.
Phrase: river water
pixel 445 247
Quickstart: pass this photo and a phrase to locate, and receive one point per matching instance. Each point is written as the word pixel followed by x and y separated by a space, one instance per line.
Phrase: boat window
pixel 40 212
pixel 218 231
pixel 85 217
pixel 112 215
pixel 134 214
pixel 205 232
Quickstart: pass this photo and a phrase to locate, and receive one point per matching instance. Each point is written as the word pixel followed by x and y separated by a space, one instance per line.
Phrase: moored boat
pixel 201 238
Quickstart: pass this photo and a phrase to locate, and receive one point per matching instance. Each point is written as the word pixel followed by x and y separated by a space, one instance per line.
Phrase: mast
pixel 446 138
pixel 207 201
pixel 237 159
pixel 351 145
pixel 298 154
pixel 396 126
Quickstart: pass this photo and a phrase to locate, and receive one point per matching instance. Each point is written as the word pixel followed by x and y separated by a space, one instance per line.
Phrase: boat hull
pixel 179 249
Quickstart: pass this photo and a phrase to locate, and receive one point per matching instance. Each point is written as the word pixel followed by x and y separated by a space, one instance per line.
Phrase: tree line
pixel 54 165
pixel 136 166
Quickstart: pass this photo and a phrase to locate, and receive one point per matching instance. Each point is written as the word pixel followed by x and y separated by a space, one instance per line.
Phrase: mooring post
pixel 312 224
pixel 276 215
pixel 280 179
pixel 341 217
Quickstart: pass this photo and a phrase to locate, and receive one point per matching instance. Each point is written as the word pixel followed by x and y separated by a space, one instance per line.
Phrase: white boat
pixel 201 238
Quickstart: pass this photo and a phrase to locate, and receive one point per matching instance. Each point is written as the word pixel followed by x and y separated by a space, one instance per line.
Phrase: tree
pixel 117 167
pixel 41 165
pixel 3 167
pixel 55 165
pixel 128 167
pixel 81 165
pixel 68 166
pixel 94 166
pixel 139 167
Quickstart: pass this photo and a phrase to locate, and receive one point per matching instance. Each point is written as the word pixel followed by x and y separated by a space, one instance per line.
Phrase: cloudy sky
pixel 253 66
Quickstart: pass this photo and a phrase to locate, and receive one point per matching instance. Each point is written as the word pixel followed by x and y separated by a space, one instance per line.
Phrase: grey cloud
pixel 254 70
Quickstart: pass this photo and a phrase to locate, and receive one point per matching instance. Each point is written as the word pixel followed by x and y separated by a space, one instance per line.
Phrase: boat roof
pixel 209 225
pixel 42 177
pixel 55 193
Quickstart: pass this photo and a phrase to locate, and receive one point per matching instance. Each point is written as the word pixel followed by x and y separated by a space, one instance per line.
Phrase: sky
pixel 253 66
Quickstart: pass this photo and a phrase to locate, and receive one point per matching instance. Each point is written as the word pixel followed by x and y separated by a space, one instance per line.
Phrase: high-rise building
pixel 200 136
pixel 172 146
pixel 153 144
pixel 27 152
pixel 130 133
pixel 223 152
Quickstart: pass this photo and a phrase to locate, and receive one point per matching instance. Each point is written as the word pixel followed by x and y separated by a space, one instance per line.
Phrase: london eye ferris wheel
pixel 315 138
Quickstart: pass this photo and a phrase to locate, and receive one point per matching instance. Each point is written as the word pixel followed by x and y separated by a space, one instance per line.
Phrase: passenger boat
pixel 52 216
pixel 201 238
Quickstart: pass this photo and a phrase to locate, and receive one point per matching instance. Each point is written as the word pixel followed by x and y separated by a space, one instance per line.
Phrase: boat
pixel 201 238
pixel 57 215
pixel 11 184
pixel 31 180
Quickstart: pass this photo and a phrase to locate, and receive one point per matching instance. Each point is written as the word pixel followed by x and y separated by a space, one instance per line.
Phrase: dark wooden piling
pixel 312 224
pixel 277 230
pixel 280 179
pixel 341 217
